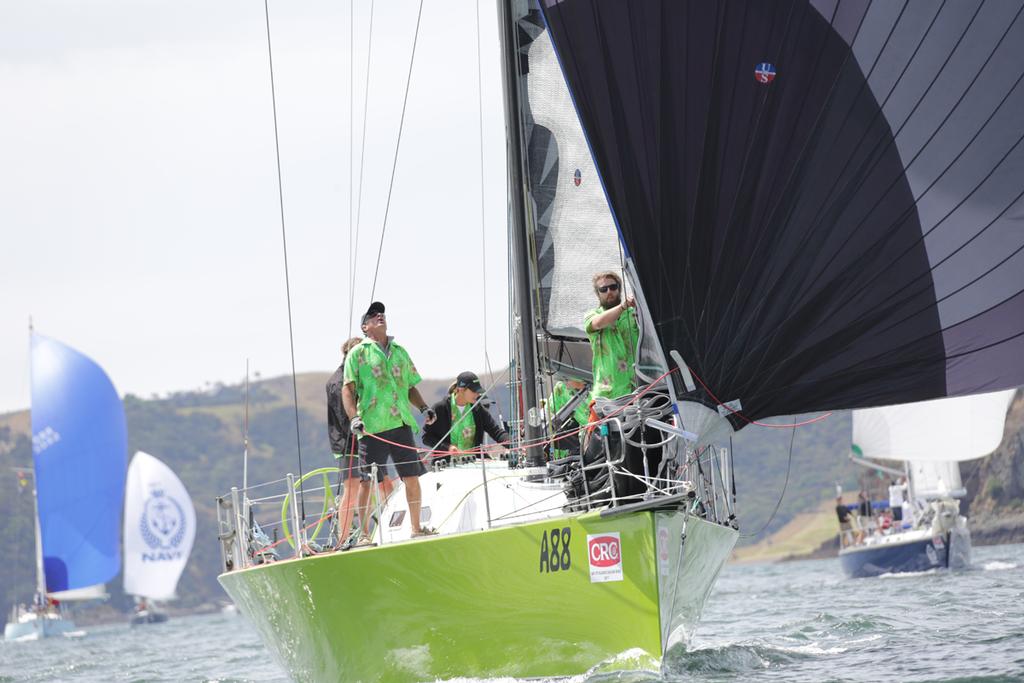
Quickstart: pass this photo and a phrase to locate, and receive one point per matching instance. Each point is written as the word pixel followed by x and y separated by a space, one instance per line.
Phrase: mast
pixel 40 571
pixel 526 336
pixel 245 435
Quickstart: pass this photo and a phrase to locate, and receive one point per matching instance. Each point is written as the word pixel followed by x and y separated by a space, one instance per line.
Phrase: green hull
pixel 489 603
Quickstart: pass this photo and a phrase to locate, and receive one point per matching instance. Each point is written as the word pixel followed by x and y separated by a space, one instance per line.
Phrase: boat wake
pixel 632 666
pixel 996 566
pixel 737 658
pixel 907 575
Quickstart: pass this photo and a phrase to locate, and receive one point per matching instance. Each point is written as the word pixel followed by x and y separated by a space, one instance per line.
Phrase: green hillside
pixel 199 434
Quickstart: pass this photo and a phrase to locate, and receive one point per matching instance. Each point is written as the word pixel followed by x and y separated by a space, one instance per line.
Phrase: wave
pixel 739 658
pixel 907 575
pixel 996 565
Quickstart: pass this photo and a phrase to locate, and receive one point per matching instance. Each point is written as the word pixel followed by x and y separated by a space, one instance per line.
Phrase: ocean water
pixel 799 621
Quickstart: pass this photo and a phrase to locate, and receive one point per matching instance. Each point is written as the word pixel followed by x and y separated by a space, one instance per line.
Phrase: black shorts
pixel 405 456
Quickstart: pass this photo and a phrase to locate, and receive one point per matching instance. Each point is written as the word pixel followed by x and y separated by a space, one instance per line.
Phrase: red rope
pixel 480 450
pixel 755 422
pixel 527 444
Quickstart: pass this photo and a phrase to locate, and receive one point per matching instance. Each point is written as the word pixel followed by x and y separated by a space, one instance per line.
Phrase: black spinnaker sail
pixel 822 200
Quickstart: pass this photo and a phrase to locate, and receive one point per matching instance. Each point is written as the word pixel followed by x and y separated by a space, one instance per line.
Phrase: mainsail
pixel 79 444
pixel 822 200
pixel 159 528
pixel 574 233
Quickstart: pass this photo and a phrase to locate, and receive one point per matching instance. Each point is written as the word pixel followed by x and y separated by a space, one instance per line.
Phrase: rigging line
pixel 785 485
pixel 362 156
pixel 398 145
pixel 284 245
pixel 483 212
pixel 740 415
pixel 351 152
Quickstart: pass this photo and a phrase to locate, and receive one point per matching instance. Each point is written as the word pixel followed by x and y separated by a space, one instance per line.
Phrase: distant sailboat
pixel 159 528
pixel 79 444
pixel 931 438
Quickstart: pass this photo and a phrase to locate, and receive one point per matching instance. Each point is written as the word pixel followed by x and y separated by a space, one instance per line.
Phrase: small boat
pixel 147 616
pixel 79 447
pixel 37 621
pixel 159 528
pixel 927 530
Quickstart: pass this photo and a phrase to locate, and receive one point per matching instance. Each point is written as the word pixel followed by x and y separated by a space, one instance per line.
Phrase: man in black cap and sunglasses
pixel 380 387
pixel 613 334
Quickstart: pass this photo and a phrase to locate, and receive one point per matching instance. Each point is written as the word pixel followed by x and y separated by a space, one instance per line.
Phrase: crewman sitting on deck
pixel 561 394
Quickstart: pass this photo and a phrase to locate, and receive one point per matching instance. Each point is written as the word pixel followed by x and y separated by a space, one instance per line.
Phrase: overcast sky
pixel 138 189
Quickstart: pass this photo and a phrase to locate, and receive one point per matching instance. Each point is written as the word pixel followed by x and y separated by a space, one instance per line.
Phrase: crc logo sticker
pixel 604 554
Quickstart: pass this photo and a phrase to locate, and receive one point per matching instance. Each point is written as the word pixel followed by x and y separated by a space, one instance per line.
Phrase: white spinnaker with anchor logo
pixel 159 527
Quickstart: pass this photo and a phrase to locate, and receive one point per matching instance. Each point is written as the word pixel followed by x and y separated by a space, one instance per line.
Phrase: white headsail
pixel 159 527
pixel 944 430
pixel 933 436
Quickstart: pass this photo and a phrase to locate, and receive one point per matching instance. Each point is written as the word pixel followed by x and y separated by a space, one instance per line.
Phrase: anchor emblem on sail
pixel 163 521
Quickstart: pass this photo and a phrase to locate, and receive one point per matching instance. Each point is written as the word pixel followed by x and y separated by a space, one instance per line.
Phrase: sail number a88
pixel 555 554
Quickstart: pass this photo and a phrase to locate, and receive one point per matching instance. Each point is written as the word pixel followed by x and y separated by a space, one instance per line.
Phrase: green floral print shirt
pixel 382 382
pixel 614 350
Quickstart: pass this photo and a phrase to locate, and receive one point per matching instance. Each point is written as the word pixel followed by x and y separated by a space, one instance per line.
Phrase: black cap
pixel 470 381
pixel 375 308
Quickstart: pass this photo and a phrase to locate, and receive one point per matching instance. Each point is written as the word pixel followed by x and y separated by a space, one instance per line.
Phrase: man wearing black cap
pixel 380 385
pixel 462 420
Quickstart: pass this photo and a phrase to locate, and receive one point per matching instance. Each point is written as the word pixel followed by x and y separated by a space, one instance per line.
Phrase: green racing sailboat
pixel 752 169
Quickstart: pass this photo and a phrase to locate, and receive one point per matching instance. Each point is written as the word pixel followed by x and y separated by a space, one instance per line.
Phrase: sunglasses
pixel 609 288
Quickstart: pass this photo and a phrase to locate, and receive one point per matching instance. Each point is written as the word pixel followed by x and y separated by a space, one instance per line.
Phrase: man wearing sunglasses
pixel 613 333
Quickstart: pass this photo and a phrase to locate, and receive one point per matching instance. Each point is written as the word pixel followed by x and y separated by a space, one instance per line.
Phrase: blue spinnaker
pixel 80 444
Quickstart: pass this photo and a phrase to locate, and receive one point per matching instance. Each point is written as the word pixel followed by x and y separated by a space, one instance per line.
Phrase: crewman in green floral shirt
pixel 380 385
pixel 561 394
pixel 613 333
